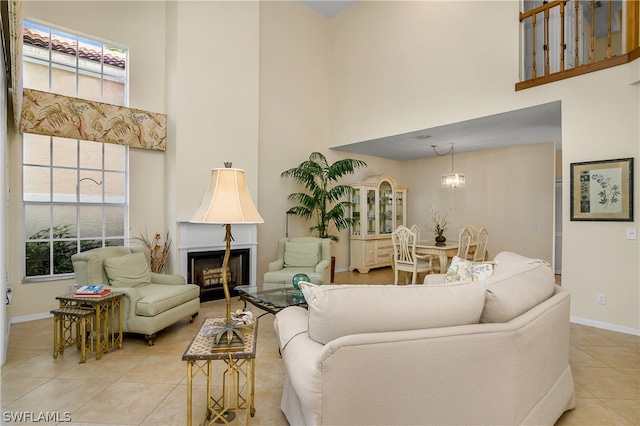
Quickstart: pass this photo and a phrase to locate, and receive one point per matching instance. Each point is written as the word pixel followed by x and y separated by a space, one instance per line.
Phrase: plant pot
pixel 440 239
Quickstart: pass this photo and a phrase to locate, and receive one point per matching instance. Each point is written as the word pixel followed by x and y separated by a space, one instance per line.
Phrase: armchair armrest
pixel 167 279
pixel 276 265
pixel 131 297
pixel 320 267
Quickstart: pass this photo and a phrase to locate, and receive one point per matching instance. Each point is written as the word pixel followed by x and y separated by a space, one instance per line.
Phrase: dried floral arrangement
pixel 440 222
pixel 159 250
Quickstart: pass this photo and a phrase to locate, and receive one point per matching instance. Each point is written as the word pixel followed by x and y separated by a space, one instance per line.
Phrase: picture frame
pixel 602 190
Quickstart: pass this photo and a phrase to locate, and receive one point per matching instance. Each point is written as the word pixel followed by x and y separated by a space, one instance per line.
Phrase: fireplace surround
pixel 199 241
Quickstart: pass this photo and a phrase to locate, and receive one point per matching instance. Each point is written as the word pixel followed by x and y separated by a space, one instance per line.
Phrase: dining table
pixel 444 251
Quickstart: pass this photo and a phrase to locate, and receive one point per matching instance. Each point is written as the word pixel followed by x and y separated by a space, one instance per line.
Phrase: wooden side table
pixel 105 308
pixel 240 367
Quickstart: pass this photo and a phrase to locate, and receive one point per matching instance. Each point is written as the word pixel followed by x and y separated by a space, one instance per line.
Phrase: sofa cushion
pixel 301 254
pixel 518 284
pixel 462 269
pixel 131 270
pixel 158 298
pixel 340 310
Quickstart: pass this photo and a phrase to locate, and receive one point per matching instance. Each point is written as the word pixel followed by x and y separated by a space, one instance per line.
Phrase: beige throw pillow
pixel 131 270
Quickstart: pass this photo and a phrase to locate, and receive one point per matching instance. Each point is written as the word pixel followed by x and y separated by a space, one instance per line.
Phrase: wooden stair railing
pixel 632 36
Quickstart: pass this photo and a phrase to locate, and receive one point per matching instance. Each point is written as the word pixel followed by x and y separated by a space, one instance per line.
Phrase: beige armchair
pixel 152 301
pixel 302 255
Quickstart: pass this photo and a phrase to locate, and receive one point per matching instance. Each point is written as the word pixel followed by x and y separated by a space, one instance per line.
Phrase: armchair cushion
pixel 158 298
pixel 131 270
pixel 301 254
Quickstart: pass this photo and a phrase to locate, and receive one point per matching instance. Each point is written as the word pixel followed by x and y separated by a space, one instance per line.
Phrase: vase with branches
pixel 159 250
pixel 323 203
pixel 440 224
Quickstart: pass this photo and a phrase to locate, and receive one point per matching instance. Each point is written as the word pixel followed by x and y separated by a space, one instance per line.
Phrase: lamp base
pixel 227 336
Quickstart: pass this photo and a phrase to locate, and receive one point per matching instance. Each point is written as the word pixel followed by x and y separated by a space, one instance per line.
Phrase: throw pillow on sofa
pixel 519 284
pixel 131 270
pixel 462 269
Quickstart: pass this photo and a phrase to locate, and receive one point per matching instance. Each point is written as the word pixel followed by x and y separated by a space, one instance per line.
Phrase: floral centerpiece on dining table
pixel 440 224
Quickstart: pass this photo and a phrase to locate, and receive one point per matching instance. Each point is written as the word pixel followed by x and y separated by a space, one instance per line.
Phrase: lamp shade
pixel 227 200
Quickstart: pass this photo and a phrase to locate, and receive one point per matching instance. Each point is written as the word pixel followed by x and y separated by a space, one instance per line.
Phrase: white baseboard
pixel 32 317
pixel 605 326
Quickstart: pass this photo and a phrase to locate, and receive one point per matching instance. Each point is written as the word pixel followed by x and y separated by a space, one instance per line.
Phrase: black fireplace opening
pixel 205 270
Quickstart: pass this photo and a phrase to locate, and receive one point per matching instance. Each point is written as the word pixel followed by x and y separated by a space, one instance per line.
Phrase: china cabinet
pixel 379 207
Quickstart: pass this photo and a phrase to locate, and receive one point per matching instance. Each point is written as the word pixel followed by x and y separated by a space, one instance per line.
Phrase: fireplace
pixel 205 270
pixel 198 240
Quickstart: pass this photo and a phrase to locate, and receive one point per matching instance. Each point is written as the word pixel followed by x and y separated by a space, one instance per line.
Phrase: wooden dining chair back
pixel 416 230
pixel 465 238
pixel 480 253
pixel 404 254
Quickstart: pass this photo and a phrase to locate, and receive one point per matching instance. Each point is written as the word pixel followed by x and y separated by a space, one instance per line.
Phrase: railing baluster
pixel 609 30
pixel 547 68
pixel 592 54
pixel 533 26
pixel 562 45
pixel 577 57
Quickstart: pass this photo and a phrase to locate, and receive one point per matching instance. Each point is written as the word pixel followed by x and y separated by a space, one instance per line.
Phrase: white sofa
pixel 492 352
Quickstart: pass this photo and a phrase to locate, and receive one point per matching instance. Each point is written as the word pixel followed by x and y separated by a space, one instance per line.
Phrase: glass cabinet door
pixel 371 212
pixel 385 208
pixel 399 208
pixel 355 212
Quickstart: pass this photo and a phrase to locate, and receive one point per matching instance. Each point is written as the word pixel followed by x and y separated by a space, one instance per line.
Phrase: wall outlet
pixel 9 294
pixel 602 299
pixel 631 234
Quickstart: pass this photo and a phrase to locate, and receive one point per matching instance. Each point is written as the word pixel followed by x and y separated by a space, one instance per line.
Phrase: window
pixel 74 191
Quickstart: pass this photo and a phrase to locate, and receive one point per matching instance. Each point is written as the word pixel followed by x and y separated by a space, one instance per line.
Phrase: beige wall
pixel 391 74
pixel 277 81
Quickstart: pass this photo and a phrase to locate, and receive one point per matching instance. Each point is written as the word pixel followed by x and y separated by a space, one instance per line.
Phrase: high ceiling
pixel 328 8
pixel 520 127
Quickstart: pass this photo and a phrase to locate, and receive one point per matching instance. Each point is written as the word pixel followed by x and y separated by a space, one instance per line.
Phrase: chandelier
pixel 453 179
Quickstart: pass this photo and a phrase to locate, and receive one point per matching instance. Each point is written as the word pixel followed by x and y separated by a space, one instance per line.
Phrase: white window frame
pixel 39 55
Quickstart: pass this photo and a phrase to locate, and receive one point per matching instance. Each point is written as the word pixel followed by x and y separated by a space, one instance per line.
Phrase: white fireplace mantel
pixel 198 237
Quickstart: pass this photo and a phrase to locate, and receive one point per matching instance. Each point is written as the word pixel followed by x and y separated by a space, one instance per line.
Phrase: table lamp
pixel 226 202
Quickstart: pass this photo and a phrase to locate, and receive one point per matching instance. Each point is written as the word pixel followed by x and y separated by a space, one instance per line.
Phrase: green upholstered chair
pixel 302 255
pixel 152 301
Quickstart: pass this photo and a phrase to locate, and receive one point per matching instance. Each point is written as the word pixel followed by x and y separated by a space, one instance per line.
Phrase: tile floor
pixel 142 385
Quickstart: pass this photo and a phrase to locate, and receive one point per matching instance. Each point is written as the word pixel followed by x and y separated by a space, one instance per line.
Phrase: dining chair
pixel 416 229
pixel 465 237
pixel 404 255
pixel 481 246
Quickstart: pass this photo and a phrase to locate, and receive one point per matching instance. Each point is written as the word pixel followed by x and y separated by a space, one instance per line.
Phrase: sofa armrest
pixel 433 279
pixel 131 297
pixel 320 267
pixel 276 265
pixel 167 279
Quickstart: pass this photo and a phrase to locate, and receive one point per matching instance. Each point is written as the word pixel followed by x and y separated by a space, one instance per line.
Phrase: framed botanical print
pixel 602 190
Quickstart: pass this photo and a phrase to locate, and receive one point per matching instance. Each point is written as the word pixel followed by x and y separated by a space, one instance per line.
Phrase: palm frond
pixel 322 203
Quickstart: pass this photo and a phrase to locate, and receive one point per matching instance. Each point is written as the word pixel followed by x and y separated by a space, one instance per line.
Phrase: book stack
pixel 92 291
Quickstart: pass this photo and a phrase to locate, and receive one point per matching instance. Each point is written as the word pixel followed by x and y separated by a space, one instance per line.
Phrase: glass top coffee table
pixel 271 297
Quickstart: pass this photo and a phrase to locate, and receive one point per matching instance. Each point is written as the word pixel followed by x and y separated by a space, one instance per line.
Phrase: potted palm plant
pixel 324 204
